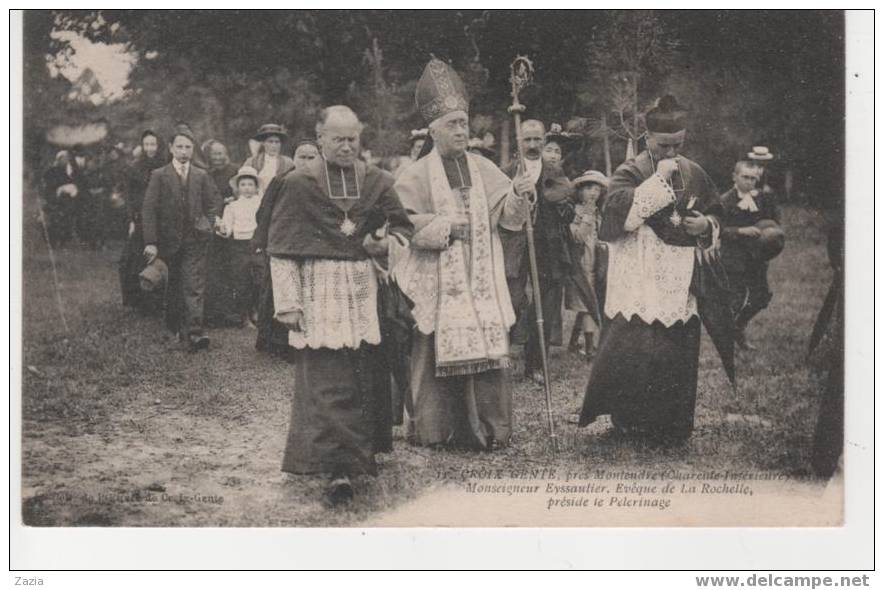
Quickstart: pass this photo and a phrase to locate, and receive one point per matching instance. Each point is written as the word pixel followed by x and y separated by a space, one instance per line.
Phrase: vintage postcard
pixel 454 268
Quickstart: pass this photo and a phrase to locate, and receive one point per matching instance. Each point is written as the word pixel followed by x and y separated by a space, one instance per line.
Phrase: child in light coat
pixel 238 224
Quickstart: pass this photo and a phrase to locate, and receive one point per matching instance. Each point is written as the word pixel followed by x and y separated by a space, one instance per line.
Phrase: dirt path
pixel 120 427
pixel 154 464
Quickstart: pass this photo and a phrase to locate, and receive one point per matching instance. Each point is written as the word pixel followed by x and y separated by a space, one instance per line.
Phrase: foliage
pixel 770 77
pixel 625 56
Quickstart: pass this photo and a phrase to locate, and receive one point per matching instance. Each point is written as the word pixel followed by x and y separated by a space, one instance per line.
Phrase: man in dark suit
pixel 181 209
pixel 743 258
pixel 553 211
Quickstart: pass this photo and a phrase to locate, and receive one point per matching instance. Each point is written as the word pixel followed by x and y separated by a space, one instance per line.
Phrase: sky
pixel 111 64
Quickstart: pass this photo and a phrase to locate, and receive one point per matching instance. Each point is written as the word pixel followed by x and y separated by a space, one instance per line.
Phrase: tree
pixel 747 76
pixel 625 56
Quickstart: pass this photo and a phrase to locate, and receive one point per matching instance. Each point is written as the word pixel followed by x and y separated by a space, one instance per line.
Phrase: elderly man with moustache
pixel 553 212
pixel 325 289
pixel 454 274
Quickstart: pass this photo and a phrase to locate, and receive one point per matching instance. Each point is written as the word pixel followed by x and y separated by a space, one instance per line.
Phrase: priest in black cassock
pixel 661 223
pixel 325 290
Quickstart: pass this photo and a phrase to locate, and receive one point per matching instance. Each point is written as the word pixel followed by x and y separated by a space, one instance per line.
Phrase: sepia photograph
pixel 432 268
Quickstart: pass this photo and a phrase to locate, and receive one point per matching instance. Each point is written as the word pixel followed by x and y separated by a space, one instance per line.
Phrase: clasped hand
pixel 524 187
pixel 460 228
pixel 666 168
pixel 695 223
pixel 375 246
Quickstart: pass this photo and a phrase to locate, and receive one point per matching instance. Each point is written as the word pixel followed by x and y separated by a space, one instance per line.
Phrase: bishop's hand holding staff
pixel 454 274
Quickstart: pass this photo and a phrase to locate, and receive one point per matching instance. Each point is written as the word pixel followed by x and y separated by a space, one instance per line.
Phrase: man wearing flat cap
pixel 454 274
pixel 181 209
pixel 661 223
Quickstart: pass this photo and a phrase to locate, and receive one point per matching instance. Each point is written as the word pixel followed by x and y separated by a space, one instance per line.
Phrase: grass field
pixel 114 408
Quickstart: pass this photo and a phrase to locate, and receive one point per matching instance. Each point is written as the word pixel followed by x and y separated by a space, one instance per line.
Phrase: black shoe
pixel 199 342
pixel 340 492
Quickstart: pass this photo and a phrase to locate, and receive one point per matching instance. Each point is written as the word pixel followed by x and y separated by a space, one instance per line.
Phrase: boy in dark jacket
pixel 743 250
pixel 180 212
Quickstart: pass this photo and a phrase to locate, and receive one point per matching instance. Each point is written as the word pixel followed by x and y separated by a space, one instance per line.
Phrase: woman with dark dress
pixel 273 336
pixel 132 261
pixel 220 310
pixel 61 187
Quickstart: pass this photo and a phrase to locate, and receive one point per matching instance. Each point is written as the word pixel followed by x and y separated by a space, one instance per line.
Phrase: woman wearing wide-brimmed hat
pixel 591 187
pixel 268 159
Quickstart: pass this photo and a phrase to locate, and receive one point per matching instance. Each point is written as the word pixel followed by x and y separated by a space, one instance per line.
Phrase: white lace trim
pixel 338 299
pixel 649 197
pixel 647 277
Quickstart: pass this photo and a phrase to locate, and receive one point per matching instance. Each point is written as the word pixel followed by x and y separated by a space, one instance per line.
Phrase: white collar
pixel 747 200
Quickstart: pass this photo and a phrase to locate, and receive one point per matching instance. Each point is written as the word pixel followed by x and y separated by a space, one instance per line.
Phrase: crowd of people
pixel 403 297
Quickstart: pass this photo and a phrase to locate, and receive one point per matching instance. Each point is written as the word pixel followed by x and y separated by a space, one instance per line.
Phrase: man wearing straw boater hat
pixel 181 209
pixel 760 157
pixel 660 221
pixel 454 274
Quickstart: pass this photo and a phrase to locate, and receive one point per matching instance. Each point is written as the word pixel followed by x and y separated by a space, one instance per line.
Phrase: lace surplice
pixel 647 277
pixel 337 297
